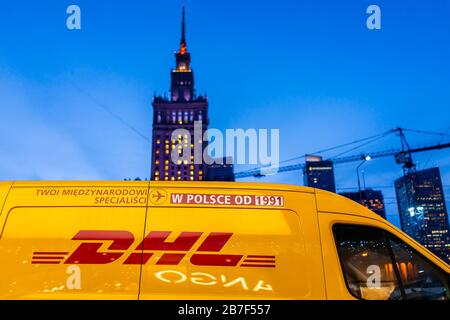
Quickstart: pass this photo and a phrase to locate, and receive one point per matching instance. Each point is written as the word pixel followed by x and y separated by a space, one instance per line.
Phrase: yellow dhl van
pixel 135 240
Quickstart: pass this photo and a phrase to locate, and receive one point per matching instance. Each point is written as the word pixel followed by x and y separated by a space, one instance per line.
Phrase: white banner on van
pixel 227 200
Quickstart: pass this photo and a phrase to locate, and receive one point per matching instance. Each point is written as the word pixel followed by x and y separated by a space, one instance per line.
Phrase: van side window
pixel 366 260
pixel 421 280
pixel 379 266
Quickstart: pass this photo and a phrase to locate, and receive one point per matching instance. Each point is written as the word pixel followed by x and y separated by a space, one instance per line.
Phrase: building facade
pixel 221 170
pixel 319 173
pixel 179 111
pixel 422 209
pixel 371 199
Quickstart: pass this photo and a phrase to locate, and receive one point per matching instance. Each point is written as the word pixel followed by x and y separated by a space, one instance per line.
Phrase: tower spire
pixel 183 33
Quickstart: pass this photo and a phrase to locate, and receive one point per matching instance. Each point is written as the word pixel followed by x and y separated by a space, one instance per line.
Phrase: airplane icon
pixel 158 196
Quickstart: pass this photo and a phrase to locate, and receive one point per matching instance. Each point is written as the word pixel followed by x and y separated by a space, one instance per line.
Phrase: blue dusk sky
pixel 77 104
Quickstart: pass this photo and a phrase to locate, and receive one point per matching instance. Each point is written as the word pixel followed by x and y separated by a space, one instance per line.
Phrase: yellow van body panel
pixel 280 249
pixel 39 222
pixel 88 240
pixel 4 189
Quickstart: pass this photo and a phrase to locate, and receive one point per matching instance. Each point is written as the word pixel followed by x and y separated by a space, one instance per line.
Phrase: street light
pixel 365 159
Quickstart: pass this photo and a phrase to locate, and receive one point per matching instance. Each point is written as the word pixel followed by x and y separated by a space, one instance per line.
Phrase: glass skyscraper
pixel 422 209
pixel 319 173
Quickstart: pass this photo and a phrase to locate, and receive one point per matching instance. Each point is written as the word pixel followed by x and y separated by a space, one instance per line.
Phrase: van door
pixel 217 252
pixel 368 259
pixel 70 243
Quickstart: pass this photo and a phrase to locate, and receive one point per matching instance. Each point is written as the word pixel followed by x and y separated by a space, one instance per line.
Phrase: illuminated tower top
pixel 182 87
pixel 183 34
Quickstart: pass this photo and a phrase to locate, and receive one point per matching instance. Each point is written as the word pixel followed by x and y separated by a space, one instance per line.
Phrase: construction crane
pixel 402 156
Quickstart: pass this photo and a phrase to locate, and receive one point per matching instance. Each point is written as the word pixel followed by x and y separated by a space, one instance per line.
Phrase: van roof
pixel 164 184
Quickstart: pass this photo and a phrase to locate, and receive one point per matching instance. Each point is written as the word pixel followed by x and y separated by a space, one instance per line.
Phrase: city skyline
pixel 323 80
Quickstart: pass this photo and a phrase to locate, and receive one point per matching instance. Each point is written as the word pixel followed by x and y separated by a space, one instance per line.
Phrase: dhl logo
pixel 207 253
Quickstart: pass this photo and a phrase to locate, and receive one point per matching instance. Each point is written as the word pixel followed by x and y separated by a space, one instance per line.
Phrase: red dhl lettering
pixel 207 253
